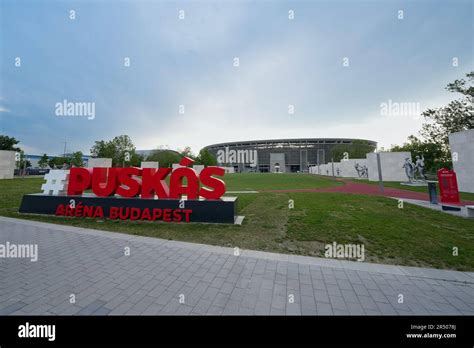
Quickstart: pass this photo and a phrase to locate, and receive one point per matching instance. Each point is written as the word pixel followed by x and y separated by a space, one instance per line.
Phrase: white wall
pixel 149 164
pixel 176 166
pixel 7 164
pixel 332 167
pixel 462 147
pixel 391 163
pixel 198 168
pixel 392 167
pixel 277 158
pixel 99 163
pixel 347 168
pixel 325 169
pixel 229 170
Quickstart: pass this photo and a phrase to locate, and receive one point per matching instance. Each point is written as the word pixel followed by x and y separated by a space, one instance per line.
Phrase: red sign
pixel 448 186
pixel 148 182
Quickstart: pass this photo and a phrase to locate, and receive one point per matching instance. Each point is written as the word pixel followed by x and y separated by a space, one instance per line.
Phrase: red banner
pixel 448 187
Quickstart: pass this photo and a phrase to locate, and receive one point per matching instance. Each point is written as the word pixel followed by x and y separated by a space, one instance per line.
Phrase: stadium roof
pixel 298 140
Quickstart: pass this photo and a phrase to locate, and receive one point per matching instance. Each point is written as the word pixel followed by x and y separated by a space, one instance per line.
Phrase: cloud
pixel 190 62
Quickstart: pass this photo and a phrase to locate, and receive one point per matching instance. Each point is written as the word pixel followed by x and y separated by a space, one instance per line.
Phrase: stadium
pixel 281 155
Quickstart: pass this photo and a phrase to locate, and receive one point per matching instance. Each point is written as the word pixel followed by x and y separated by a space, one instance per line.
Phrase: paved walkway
pixel 92 266
pixel 438 207
pixel 370 189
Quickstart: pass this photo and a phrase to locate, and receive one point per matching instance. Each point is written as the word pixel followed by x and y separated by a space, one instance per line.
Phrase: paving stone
pixel 91 308
pixel 91 265
pixel 12 308
pixel 324 308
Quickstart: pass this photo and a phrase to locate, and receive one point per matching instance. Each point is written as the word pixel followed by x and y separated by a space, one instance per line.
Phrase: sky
pixel 333 64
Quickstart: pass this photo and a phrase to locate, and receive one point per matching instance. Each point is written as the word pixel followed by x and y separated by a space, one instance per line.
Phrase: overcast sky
pixel 190 62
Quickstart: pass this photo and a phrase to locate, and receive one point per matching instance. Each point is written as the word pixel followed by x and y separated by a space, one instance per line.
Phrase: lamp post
pixel 379 167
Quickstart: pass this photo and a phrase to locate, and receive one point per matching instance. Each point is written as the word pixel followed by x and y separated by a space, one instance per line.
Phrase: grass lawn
pixel 408 236
pixel 282 181
pixel 464 195
pixel 413 236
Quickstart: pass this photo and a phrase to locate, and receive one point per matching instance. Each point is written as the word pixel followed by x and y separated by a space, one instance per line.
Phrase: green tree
pixel 23 163
pixel 165 158
pixel 206 158
pixel 432 152
pixel 457 116
pixel 52 163
pixel 76 159
pixel 61 162
pixel 103 149
pixel 117 149
pixel 462 86
pixel 43 162
pixel 187 152
pixel 358 149
pixel 8 143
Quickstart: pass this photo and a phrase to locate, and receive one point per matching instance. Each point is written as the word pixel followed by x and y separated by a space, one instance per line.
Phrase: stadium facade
pixel 279 155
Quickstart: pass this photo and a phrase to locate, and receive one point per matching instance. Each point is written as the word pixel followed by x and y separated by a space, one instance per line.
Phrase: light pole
pixel 379 167
pixel 23 174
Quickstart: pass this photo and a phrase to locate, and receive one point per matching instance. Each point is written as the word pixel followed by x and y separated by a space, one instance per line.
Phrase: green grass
pixel 394 184
pixel 269 181
pixel 412 236
pixel 408 236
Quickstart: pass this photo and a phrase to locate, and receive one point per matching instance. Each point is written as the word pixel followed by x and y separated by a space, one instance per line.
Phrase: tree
pixel 63 162
pixel 187 152
pixel 165 158
pixel 8 143
pixel 358 149
pixel 457 116
pixel 117 149
pixel 433 153
pixel 76 159
pixel 52 163
pixel 103 149
pixel 206 158
pixel 43 162
pixel 59 162
pixel 23 163
pixel 461 86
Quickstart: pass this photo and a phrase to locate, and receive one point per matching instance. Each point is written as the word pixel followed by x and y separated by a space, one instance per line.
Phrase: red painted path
pixel 371 190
